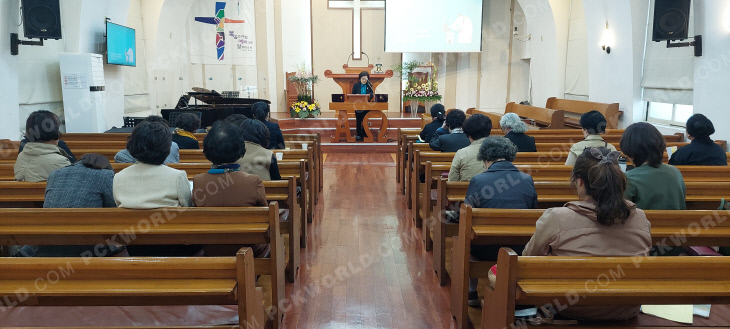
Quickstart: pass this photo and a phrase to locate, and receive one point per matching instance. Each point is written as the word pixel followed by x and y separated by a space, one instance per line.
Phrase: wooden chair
pixel 516 227
pixel 153 227
pixel 140 281
pixel 610 111
pixel 546 118
pixel 630 281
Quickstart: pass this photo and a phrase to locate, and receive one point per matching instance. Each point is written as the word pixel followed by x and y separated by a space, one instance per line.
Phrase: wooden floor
pixel 364 266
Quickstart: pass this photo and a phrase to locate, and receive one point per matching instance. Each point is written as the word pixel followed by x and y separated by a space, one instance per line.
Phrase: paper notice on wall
pixel 74 81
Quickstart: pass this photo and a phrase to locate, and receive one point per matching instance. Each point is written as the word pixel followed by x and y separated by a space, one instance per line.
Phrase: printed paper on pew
pixel 671 150
pixel 676 313
pixel 702 310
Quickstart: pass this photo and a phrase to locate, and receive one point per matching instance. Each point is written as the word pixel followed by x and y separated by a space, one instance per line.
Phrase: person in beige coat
pixel 603 223
pixel 465 164
pixel 594 125
pixel 41 155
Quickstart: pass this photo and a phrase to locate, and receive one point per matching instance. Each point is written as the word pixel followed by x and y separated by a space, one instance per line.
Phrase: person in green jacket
pixel 652 184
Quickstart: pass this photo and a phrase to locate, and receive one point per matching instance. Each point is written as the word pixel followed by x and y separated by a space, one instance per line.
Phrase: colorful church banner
pixel 222 32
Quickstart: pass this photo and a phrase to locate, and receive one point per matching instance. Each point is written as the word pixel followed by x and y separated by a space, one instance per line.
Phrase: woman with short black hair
pixel 593 124
pixel 652 184
pixel 124 156
pixel 149 184
pixel 451 137
pixel 276 138
pixel 231 187
pixel 258 160
pixel 184 135
pixel 41 155
pixel 362 87
pixel 702 150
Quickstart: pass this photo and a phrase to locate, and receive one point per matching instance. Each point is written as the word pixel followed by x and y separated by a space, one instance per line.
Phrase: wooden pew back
pixel 610 111
pixel 550 119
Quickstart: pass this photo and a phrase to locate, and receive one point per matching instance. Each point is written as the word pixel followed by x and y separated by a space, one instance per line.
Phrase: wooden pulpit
pixel 346 81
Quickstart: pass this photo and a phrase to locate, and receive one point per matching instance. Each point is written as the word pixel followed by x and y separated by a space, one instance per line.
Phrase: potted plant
pixel 305 106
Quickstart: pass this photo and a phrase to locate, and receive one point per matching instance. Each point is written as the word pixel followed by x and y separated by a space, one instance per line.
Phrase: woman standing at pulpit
pixel 362 87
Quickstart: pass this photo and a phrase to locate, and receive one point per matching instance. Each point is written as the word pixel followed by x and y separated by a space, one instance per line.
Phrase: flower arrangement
pixel 303 80
pixel 303 109
pixel 427 91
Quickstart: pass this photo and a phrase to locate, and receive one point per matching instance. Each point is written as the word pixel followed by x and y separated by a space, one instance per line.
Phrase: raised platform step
pixel 327 133
pixel 291 123
pixel 359 147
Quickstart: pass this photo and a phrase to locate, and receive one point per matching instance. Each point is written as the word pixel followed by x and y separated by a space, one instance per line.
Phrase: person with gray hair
pixel 502 186
pixel 514 130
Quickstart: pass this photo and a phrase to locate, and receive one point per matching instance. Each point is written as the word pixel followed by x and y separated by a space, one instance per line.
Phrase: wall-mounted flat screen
pixel 121 45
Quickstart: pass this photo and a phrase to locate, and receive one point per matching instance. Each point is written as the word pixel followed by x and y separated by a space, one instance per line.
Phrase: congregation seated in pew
pixel 258 160
pixel 173 155
pixel 150 184
pixel 702 151
pixel 502 186
pixel 84 184
pixel 438 115
pixel 450 137
pixel 42 154
pixel 61 143
pixel 652 185
pixel 225 185
pixel 593 124
pixel 261 112
pixel 466 164
pixel 603 224
pixel 184 135
pixel 514 129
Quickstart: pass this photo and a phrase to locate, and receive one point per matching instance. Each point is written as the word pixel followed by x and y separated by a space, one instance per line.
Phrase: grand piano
pixel 211 106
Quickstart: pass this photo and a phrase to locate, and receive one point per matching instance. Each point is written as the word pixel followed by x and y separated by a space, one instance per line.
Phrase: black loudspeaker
pixel 42 19
pixel 671 20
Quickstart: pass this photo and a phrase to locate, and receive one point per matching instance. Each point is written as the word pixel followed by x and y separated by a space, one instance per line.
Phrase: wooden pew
pixel 402 136
pixel 296 140
pixel 31 195
pixel 152 227
pixel 495 117
pixel 139 281
pixel 578 108
pixel 632 281
pixel 546 118
pixel 515 227
pixel 450 195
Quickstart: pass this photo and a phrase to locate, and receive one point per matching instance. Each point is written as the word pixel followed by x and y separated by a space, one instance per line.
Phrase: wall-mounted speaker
pixel 671 20
pixel 42 19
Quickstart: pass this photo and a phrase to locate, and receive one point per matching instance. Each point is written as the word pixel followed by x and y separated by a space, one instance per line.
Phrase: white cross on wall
pixel 357 6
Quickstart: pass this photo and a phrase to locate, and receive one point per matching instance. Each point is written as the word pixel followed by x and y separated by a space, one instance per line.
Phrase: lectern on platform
pixel 354 103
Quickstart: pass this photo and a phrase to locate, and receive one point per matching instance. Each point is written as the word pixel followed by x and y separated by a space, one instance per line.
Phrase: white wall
pixel 9 110
pixel 712 70
pixel 296 38
pixel 616 77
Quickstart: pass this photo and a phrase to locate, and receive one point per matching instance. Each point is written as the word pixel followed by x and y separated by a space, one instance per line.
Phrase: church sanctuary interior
pixel 369 164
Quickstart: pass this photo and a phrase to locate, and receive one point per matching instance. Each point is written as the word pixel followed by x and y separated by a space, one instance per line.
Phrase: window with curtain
pixel 576 68
pixel 668 78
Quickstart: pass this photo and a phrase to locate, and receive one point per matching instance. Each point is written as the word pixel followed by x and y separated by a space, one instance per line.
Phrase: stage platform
pixel 325 125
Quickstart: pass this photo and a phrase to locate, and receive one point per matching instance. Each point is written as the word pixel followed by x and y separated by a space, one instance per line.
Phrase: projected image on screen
pixel 121 45
pixel 433 26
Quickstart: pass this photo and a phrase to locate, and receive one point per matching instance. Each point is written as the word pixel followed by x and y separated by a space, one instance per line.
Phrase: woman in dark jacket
pixel 438 115
pixel 187 124
pixel 487 190
pixel 514 130
pixel 702 151
pixel 276 138
pixel 362 87
pixel 85 184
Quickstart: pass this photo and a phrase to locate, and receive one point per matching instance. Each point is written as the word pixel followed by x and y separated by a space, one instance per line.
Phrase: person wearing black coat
pixel 702 151
pixel 451 137
pixel 438 115
pixel 261 112
pixel 514 130
pixel 362 87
